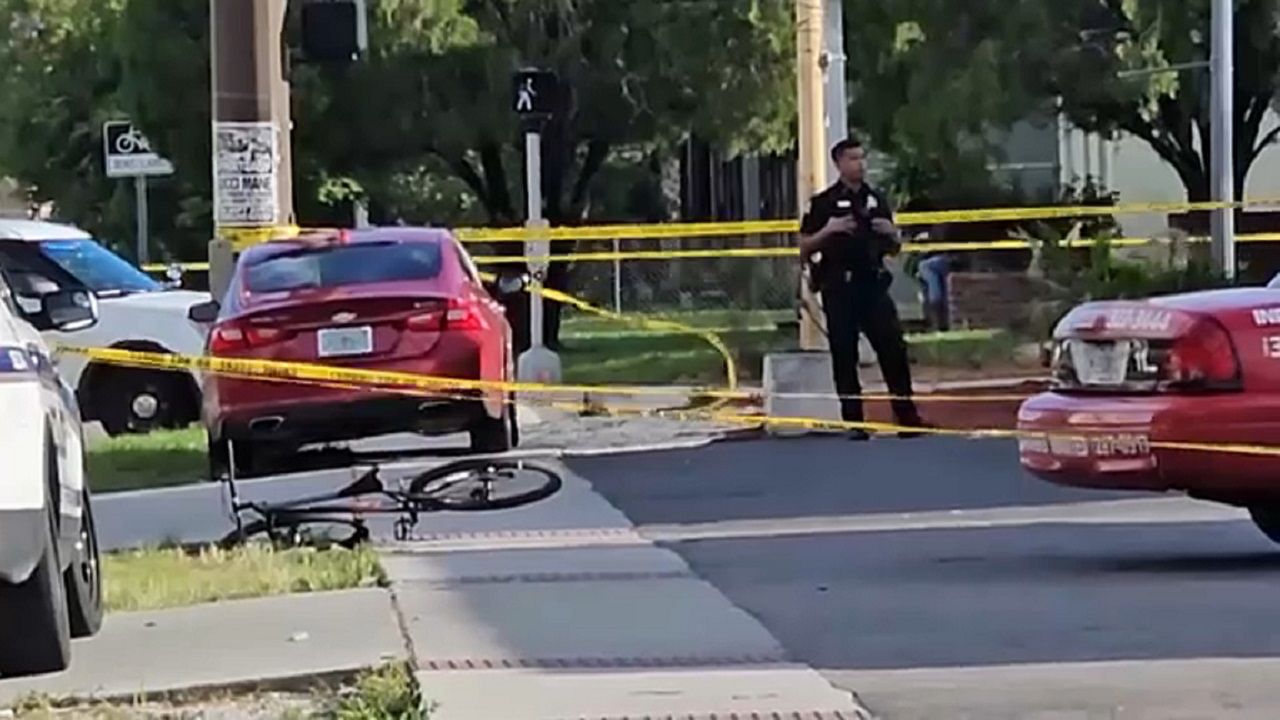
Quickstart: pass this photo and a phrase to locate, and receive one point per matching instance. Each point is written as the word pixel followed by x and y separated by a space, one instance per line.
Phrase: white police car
pixel 138 313
pixel 50 586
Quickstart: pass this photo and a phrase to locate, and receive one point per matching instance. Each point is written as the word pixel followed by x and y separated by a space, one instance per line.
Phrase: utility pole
pixel 1223 147
pixel 252 163
pixel 812 161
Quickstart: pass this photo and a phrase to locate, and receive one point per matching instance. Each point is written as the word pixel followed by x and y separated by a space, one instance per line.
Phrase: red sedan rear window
pixel 339 265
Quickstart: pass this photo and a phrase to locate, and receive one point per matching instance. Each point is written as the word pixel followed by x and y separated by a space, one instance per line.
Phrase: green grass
pixel 389 692
pixel 139 462
pixel 168 578
pixel 585 326
pixel 386 693
pixel 666 359
pixel 963 349
pixel 660 359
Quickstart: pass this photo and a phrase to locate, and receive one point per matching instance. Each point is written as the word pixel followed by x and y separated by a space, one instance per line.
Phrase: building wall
pixel 12 202
pixel 1130 167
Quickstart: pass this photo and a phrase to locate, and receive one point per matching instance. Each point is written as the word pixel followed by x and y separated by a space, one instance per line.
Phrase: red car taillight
pixel 460 315
pixel 1198 356
pixel 230 337
pixel 1202 358
pixel 463 316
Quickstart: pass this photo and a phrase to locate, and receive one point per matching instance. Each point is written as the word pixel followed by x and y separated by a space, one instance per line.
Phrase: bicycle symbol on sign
pixel 132 142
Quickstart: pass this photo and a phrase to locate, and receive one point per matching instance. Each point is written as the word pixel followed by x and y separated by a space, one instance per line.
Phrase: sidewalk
pixel 523 616
pixel 247 643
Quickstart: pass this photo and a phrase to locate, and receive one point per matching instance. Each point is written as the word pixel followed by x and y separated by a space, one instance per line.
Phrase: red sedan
pixel 1141 387
pixel 394 299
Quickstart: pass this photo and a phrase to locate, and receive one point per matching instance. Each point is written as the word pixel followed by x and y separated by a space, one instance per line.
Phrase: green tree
pixel 59 87
pixel 163 50
pixel 1095 41
pixel 934 83
pixel 422 127
pixel 636 73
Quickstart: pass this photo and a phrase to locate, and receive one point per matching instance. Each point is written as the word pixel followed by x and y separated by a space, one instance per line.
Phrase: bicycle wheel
pixel 485 485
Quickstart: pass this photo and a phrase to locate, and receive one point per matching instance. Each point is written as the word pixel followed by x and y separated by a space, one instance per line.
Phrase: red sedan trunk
pixel 405 301
pixel 1136 382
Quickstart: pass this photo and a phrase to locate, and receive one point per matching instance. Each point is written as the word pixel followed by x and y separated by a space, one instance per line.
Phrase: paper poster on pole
pixel 246 173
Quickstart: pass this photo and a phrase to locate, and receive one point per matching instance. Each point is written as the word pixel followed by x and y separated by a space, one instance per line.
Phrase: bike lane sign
pixel 128 153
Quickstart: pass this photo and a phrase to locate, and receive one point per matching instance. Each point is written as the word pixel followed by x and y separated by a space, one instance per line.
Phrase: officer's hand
pixel 884 226
pixel 844 224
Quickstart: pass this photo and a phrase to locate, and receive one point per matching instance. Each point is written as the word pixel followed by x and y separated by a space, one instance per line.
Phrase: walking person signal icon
pixel 534 93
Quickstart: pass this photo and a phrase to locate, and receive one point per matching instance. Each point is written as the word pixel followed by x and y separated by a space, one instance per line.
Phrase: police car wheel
pixel 35 625
pixel 134 401
pixel 83 578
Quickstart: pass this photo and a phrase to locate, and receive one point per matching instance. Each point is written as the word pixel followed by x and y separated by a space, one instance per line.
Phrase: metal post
pixel 538 363
pixel 812 161
pixel 140 198
pixel 1223 146
pixel 533 248
pixel 835 104
pixel 617 277
pixel 249 86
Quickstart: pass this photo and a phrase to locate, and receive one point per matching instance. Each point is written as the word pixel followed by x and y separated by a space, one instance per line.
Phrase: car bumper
pixel 1157 443
pixel 21 543
pixel 342 418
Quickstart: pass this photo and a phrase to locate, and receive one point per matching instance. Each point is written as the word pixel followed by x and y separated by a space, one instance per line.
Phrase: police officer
pixel 844 238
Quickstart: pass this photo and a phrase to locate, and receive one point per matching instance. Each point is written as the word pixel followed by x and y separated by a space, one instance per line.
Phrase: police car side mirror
pixel 205 313
pixel 66 311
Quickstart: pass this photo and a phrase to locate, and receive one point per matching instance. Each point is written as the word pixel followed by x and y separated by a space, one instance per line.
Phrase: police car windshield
pixel 97 268
pixel 335 266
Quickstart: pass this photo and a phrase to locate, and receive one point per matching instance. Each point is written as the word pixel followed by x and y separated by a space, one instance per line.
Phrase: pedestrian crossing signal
pixel 534 93
pixel 334 31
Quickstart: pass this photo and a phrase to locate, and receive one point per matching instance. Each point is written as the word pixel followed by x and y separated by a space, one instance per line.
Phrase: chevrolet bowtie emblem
pixel 344 317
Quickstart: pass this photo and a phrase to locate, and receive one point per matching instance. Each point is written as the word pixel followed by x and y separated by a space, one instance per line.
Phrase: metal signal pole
pixel 1223 146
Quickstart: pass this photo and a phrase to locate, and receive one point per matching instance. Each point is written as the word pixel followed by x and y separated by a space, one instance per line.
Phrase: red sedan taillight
pixel 460 315
pixel 1203 358
pixel 233 337
pixel 1197 356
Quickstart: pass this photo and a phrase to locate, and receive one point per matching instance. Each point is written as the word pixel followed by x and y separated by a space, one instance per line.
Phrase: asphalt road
pixel 936 580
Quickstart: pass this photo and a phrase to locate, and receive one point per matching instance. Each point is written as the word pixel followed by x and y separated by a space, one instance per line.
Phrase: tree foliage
pixel 1097 41
pixel 59 86
pixel 933 83
pixel 421 130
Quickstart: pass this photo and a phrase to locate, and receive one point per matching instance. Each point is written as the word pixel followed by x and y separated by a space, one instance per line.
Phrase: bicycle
pixel 463 486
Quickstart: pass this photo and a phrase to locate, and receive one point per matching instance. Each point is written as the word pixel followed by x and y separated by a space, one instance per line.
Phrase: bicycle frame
pixel 342 507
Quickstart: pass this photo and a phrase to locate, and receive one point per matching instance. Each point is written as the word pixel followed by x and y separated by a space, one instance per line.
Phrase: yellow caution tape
pixel 381 381
pixel 789 227
pixel 731 365
pixel 785 252
pixel 245 237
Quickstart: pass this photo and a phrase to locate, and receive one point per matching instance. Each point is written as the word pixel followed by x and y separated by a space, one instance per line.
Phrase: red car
pixel 1135 383
pixel 394 299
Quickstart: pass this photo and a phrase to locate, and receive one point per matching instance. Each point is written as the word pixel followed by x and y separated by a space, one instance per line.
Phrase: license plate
pixel 1100 363
pixel 344 342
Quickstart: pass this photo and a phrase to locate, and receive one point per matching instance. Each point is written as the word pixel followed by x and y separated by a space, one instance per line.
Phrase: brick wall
pixel 990 300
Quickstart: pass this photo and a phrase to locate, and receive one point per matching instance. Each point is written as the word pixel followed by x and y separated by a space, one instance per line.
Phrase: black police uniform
pixel 855 295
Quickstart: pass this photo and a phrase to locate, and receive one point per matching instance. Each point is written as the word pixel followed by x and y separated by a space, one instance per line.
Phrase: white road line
pixel 1145 511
